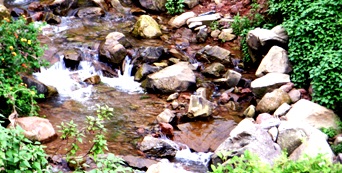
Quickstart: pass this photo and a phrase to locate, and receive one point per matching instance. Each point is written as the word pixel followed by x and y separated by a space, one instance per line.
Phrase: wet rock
pixel 116 4
pixel 271 101
pixel 17 12
pixel 35 128
pixel 177 54
pixel 51 18
pixel 146 27
pixel 204 136
pixel 253 138
pixel 89 12
pixel 35 6
pixel 179 21
pixel 138 162
pixel 215 69
pixel 166 129
pixel 202 35
pixel 290 138
pixel 226 35
pixel 41 88
pixel 268 83
pixel 71 58
pixel 95 79
pixel 249 112
pixel 151 54
pixel 166 116
pixel 260 40
pixel 205 18
pixel 275 61
pixel 113 50
pixel 106 70
pixel 199 107
pixel 173 96
pixel 212 54
pixel 158 6
pixel 282 110
pixel 145 70
pixel 295 95
pixel 191 3
pixel 178 77
pixel 232 77
pixel 313 114
pixel 158 147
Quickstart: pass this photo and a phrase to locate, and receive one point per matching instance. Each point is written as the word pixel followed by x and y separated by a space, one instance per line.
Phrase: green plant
pixel 250 163
pixel 337 148
pixel 314 29
pixel 330 132
pixel 18 154
pixel 110 163
pixel 95 127
pixel 214 25
pixel 174 6
pixel 19 53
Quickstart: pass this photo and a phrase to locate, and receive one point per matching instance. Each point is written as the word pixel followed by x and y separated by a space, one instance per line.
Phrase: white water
pixel 69 84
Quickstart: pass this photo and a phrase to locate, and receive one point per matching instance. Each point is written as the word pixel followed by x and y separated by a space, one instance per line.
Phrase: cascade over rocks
pixel 178 77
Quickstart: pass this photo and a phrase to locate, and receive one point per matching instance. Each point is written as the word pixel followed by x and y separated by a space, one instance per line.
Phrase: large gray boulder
pixel 275 61
pixel 268 83
pixel 251 137
pixel 312 113
pixel 178 77
pixel 146 27
pixel 214 54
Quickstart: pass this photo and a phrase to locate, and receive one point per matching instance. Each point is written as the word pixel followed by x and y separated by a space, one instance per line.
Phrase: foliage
pixel 19 53
pixel 315 32
pixel 251 163
pixel 330 132
pixel 18 154
pixel 337 148
pixel 174 6
pixel 242 24
pixel 214 25
pixel 95 127
pixel 110 164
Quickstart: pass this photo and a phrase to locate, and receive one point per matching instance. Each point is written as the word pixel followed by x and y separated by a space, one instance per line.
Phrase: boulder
pixel 72 58
pixel 166 116
pixel 214 70
pixel 95 79
pixel 295 95
pixel 145 70
pixel 205 18
pixel 212 54
pixel 282 110
pixel 179 21
pixel 158 6
pixel 35 128
pixel 151 54
pixel 261 40
pixel 89 12
pixel 172 97
pixel 113 49
pixel 146 27
pixel 178 77
pixel 312 113
pixel 199 107
pixel 271 101
pixel 41 88
pixel 290 137
pixel 253 138
pixel 268 83
pixel 138 162
pixel 157 147
pixel 275 61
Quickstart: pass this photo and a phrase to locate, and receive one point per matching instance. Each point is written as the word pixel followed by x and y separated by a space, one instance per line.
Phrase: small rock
pixel 295 95
pixel 199 107
pixel 263 117
pixel 174 105
pixel 287 87
pixel 93 80
pixel 249 112
pixel 282 110
pixel 202 92
pixel 166 129
pixel 166 116
pixel 158 147
pixel 338 140
pixel 274 133
pixel 172 97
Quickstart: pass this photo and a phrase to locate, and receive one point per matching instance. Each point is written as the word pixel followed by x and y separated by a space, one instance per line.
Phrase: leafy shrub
pixel 249 163
pixel 174 6
pixel 315 32
pixel 330 132
pixel 18 154
pixel 19 53
pixel 337 148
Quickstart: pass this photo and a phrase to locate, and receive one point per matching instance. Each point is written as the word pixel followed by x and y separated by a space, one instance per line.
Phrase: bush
pixel 174 6
pixel 19 53
pixel 249 163
pixel 18 154
pixel 315 32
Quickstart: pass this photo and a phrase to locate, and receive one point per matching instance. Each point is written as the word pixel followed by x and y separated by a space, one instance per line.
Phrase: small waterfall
pixel 125 82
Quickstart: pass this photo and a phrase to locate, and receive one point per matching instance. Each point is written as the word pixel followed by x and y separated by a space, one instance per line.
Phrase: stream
pixel 134 110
